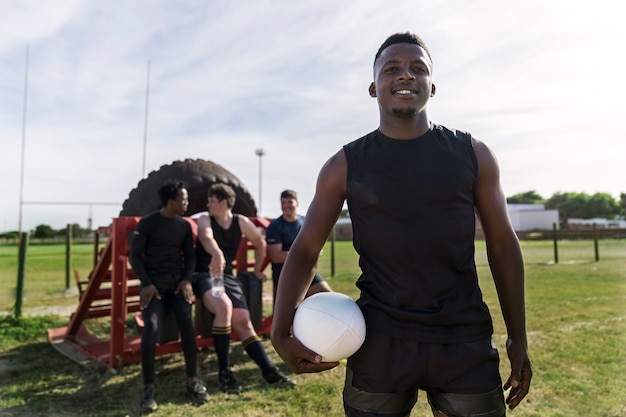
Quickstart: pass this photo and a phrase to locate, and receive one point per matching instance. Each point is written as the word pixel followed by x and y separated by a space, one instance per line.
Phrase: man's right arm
pixel 274 243
pixel 276 253
pixel 137 253
pixel 136 258
pixel 206 239
pixel 296 276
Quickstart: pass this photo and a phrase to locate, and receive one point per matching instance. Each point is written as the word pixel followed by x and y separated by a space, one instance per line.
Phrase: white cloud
pixel 541 83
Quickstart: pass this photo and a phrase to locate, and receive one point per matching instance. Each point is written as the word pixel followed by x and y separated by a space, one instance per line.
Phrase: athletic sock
pixel 254 348
pixel 221 342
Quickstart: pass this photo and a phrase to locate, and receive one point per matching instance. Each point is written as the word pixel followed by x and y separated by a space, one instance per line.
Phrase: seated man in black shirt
pixel 163 258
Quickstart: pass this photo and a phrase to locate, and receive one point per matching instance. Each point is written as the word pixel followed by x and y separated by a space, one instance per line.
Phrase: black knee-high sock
pixel 221 342
pixel 254 348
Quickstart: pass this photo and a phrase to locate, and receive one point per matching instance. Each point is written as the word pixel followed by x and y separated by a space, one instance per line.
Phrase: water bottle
pixel 217 285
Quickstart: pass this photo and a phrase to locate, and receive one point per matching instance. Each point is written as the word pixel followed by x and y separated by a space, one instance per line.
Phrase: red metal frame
pixel 111 265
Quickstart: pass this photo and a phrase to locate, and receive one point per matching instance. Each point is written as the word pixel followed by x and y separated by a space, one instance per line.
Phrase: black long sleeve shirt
pixel 162 251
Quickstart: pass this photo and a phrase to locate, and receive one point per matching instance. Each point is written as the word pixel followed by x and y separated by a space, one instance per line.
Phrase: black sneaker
pixel 198 391
pixel 228 383
pixel 146 401
pixel 277 379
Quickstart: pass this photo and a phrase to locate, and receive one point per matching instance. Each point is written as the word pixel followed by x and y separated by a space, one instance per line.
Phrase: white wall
pixel 526 217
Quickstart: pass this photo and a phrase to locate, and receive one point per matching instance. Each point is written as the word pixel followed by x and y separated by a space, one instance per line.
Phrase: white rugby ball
pixel 331 324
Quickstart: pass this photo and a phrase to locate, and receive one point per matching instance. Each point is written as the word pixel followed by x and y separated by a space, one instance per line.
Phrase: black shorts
pixel 234 290
pixel 383 378
pixel 317 278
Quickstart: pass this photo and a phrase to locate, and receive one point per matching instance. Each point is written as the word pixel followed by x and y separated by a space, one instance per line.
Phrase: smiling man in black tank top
pixel 413 188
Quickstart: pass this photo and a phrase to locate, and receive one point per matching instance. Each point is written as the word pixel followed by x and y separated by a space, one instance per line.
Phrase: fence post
pixel 21 268
pixel 68 255
pixel 595 242
pixel 556 249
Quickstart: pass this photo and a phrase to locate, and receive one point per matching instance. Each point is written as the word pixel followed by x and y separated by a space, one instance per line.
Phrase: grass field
pixel 576 327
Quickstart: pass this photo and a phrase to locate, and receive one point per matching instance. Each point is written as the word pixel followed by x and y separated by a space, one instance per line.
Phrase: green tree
pixel 43 231
pixel 582 205
pixel 10 236
pixel 77 231
pixel 622 204
pixel 602 205
pixel 528 197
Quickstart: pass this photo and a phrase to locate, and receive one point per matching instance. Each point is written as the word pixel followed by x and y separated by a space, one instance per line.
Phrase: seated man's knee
pixel 241 321
pixel 221 306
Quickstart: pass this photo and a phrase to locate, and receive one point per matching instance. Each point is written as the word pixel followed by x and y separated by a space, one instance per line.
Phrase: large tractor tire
pixel 198 175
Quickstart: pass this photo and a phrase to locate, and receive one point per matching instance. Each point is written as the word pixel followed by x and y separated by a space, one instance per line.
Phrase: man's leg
pixel 222 308
pixel 249 339
pixel 254 348
pixel 467 378
pixel 221 329
pixel 318 284
pixel 152 317
pixel 382 377
pixel 182 311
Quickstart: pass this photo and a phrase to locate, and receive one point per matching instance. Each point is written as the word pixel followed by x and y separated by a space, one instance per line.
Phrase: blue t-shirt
pixel 283 232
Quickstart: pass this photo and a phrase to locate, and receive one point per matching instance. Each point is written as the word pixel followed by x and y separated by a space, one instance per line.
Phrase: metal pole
pixel 68 255
pixel 556 249
pixel 595 242
pixel 21 268
pixel 23 145
pixel 145 123
pixel 260 152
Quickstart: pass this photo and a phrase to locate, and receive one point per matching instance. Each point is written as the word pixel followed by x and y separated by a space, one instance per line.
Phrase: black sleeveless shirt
pixel 411 203
pixel 228 241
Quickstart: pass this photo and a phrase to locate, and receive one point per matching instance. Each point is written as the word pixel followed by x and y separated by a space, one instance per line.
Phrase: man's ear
pixel 432 90
pixel 372 90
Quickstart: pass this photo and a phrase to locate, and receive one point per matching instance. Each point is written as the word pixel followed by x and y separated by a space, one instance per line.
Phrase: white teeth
pixel 404 92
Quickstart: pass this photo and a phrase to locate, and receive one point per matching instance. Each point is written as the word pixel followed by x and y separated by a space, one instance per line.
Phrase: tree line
pixel 569 204
pixel 576 205
pixel 44 231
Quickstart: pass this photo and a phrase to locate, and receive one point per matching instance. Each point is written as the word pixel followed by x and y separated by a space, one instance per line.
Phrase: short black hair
pixel 289 194
pixel 169 190
pixel 406 37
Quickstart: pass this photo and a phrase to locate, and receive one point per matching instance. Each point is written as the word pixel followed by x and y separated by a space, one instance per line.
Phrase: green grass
pixel 576 329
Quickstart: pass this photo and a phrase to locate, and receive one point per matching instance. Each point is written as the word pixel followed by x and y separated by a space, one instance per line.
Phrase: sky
pixel 84 85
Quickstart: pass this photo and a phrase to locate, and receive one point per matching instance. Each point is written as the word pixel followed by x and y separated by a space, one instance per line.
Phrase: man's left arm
pixel 507 267
pixel 254 236
pixel 189 254
pixel 189 259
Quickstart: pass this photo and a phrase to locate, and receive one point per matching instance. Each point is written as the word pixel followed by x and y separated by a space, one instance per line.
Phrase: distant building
pixel 583 224
pixel 343 229
pixel 524 218
pixel 527 217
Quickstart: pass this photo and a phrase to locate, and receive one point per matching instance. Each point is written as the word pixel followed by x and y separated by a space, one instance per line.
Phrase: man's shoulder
pixel 182 220
pixel 203 217
pixel 278 220
pixel 369 136
pixel 275 226
pixel 241 219
pixel 154 214
pixel 451 132
pixel 150 218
